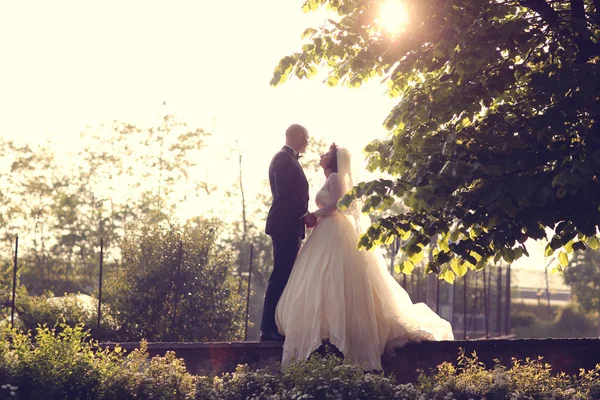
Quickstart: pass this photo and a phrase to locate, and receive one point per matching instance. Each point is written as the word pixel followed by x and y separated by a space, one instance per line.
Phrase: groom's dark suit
pixel 285 225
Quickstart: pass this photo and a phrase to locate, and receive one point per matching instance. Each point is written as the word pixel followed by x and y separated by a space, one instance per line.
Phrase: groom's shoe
pixel 271 336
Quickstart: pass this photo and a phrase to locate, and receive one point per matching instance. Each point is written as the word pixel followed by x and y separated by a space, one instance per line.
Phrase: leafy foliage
pixel 52 365
pixel 62 203
pixel 496 134
pixel 318 378
pixel 175 284
pixel 531 379
pixel 583 275
pixel 569 322
pixel 71 309
pixel 67 365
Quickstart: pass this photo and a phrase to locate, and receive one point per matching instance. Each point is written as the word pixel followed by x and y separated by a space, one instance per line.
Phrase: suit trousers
pixel 285 250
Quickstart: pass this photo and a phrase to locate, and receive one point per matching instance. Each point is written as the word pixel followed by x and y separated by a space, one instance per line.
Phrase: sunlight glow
pixel 392 16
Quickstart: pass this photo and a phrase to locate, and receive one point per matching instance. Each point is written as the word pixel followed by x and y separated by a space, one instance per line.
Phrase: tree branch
pixel 586 47
pixel 544 9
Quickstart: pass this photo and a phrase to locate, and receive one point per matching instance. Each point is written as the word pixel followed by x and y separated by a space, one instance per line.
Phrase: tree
pixel 175 284
pixel 31 188
pixel 496 134
pixel 583 276
pixel 63 203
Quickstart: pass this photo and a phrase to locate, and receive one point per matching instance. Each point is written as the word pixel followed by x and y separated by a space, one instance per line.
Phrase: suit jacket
pixel 289 188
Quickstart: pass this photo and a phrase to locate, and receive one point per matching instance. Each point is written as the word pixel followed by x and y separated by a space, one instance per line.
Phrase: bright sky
pixel 71 64
pixel 67 64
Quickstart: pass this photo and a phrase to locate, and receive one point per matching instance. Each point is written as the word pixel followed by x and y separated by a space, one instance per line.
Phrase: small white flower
pixel 13 394
pixel 14 387
pixel 4 386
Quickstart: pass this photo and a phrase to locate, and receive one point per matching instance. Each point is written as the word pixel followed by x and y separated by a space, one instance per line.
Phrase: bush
pixel 71 309
pixel 67 365
pixel 575 321
pixel 55 366
pixel 522 319
pixel 529 380
pixel 570 321
pixel 318 378
pixel 328 377
pixel 160 377
pixel 165 292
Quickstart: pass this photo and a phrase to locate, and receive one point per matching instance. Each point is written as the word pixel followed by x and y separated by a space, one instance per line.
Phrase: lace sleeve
pixel 335 193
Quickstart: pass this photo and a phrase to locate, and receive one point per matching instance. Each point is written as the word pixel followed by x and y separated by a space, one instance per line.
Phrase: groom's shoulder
pixel 281 155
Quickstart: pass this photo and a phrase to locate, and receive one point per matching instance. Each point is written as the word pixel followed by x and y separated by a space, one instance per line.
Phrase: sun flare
pixel 392 16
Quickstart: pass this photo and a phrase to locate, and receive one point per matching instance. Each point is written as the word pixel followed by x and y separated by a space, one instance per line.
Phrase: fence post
pixel 485 304
pixel 465 308
pixel 100 281
pixel 507 326
pixel 499 302
pixel 248 293
pixel 14 286
pixel 176 281
pixel 437 296
pixel 473 321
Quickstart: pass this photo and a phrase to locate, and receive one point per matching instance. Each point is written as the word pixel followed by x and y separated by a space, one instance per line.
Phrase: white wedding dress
pixel 347 296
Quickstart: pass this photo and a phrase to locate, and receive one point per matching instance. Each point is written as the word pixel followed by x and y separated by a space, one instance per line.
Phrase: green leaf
pixel 309 32
pixel 508 255
pixel 407 267
pixel 332 81
pixel 459 268
pixel 345 201
pixel 443 245
pixel 497 257
pixel 443 257
pixel 563 259
pixel 417 257
pixel 448 276
pixel 569 247
pixel 549 251
pixel 518 253
pixel 593 243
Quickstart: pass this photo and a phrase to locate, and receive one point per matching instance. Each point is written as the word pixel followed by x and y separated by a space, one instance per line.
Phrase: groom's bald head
pixel 296 136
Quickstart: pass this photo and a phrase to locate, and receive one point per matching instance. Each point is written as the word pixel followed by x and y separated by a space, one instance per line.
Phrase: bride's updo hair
pixel 333 165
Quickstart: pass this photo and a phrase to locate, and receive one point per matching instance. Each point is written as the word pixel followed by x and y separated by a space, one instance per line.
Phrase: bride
pixel 345 295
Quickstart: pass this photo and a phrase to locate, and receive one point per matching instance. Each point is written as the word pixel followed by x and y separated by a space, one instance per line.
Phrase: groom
pixel 285 223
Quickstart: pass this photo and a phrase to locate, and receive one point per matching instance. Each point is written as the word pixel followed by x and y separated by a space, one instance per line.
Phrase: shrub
pixel 142 378
pixel 71 309
pixel 575 321
pixel 53 366
pixel 570 321
pixel 330 378
pixel 522 319
pixel 241 384
pixel 317 378
pixel 68 365
pixel 528 380
pixel 165 292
